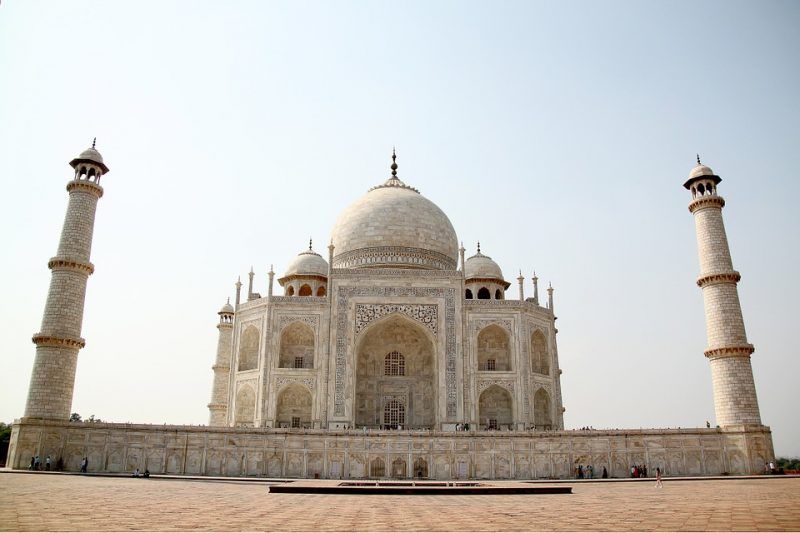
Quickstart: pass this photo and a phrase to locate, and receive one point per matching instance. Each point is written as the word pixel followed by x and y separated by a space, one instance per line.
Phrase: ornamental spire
pixel 394 164
pixel 94 141
pixel 698 160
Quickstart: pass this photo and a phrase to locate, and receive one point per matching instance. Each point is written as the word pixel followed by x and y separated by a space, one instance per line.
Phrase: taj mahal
pixel 396 355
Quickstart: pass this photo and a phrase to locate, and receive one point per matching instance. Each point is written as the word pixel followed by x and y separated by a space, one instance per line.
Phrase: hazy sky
pixel 558 134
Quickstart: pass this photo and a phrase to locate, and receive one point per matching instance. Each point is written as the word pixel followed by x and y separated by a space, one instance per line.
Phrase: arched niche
pixel 248 349
pixel 321 290
pixel 290 291
pixel 245 413
pixel 484 294
pixel 468 294
pixel 377 468
pixel 540 359
pixel 297 346
pixel 495 408
pixel 541 410
pixel 494 349
pixel 305 290
pixel 411 379
pixel 294 407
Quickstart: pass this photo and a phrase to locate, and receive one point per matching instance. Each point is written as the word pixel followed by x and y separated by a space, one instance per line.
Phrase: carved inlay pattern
pixel 480 324
pixel 311 320
pixel 484 384
pixel 311 383
pixel 427 315
pixel 393 255
pixel 342 302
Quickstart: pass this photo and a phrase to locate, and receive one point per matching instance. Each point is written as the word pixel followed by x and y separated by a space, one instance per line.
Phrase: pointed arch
pixel 245 411
pixel 297 346
pixel 290 290
pixel 468 294
pixel 321 291
pixel 377 468
pixel 404 341
pixel 248 349
pixel 305 290
pixel 294 407
pixel 484 294
pixel 495 408
pixel 540 358
pixel 494 349
pixel 542 418
pixel 399 468
pixel 498 294
pixel 420 468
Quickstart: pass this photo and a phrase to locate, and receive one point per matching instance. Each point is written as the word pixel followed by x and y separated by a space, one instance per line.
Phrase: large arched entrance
pixel 496 408
pixel 395 376
pixel 294 407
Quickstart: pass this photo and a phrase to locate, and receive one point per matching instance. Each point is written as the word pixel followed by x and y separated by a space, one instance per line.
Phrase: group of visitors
pixel 36 463
pixel 587 472
pixel 136 473
pixel 638 470
pixel 462 427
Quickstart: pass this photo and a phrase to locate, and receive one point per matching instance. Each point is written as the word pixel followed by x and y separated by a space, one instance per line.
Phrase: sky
pixel 559 134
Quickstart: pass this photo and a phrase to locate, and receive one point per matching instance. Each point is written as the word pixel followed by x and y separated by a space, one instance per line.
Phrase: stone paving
pixel 73 502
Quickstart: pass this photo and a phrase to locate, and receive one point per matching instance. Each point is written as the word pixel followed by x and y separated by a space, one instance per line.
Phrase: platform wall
pixel 201 450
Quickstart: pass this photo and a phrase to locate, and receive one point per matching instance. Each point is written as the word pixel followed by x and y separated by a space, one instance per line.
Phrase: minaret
pixel 550 299
pixel 461 251
pixel 250 285
pixel 728 351
pixel 521 281
pixel 271 275
pixel 238 290
pixel 535 288
pixel 218 408
pixel 59 340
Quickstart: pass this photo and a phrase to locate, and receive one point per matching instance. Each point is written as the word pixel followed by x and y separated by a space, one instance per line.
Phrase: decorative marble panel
pixel 484 384
pixel 311 320
pixel 427 315
pixel 310 383
pixel 503 323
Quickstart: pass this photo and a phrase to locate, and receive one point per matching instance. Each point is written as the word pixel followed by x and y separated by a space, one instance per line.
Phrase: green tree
pixel 74 417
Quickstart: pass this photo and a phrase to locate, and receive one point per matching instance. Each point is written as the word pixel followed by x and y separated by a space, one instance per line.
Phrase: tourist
pixel 146 473
pixel 47 463
pixel 33 462
pixel 605 473
pixel 136 472
pixel 36 463
pixel 84 465
pixel 659 484
pixel 60 464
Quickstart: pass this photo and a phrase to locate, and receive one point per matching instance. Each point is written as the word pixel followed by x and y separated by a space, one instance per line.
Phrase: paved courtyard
pixel 71 502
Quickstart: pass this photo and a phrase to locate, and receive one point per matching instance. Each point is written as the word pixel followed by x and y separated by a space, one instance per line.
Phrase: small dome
pixel 699 171
pixel 307 262
pixel 227 308
pixel 90 155
pixel 482 266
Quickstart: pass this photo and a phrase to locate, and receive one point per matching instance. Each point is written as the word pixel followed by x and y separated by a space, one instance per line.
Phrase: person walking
pixel 47 463
pixel 659 484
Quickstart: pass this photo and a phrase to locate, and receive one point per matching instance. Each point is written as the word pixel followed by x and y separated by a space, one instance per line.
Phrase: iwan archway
pixel 395 376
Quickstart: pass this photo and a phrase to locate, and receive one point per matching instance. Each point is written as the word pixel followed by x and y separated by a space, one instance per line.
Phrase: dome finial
pixel 94 141
pixel 479 246
pixel 310 241
pixel 394 163
pixel 698 160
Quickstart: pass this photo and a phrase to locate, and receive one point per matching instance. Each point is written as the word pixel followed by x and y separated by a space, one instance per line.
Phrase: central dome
pixel 394 226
